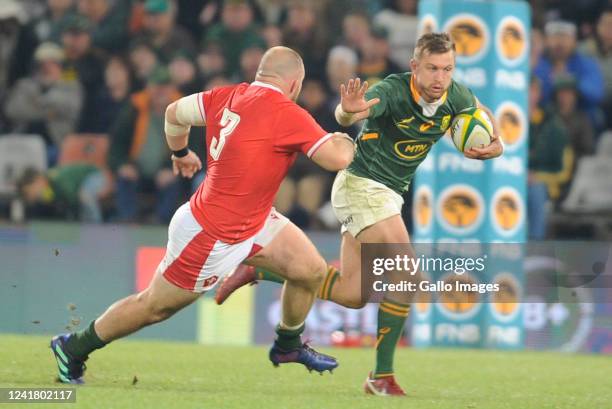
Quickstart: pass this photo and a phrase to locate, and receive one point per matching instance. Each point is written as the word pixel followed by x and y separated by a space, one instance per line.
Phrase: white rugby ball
pixel 471 128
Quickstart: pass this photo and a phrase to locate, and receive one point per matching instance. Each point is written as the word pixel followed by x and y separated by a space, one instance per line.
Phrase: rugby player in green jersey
pixel 404 115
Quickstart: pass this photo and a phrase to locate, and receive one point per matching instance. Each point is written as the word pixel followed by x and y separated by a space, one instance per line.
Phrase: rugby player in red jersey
pixel 253 135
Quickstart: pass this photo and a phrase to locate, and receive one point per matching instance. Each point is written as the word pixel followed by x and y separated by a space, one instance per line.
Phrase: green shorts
pixel 361 202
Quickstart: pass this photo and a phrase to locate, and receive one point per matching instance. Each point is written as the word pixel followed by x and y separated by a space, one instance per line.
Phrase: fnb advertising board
pixel 460 200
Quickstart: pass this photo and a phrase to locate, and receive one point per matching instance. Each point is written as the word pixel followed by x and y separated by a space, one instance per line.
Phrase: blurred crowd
pixel 108 68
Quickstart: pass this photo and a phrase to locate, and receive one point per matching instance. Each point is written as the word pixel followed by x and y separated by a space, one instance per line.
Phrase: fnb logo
pixel 512 124
pixel 507 211
pixel 460 209
pixel 470 35
pixel 511 40
pixel 411 149
pixel 423 208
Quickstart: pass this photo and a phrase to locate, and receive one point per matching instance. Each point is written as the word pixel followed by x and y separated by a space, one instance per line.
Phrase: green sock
pixel 391 318
pixel 83 342
pixel 328 283
pixel 325 290
pixel 263 275
pixel 289 339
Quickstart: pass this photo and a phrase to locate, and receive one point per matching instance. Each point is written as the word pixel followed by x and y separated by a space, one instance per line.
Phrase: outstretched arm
pixel 180 116
pixel 353 106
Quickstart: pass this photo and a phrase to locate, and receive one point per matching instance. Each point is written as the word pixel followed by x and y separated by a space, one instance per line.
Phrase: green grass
pixel 177 375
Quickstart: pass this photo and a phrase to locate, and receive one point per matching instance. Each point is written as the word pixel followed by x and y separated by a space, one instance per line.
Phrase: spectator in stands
pixel 375 64
pixel 162 33
pixel 536 49
pixel 355 29
pixel 72 191
pixel 342 64
pixel 334 11
pixel 118 79
pixel 17 44
pixel 183 74
pixel 45 103
pixel 139 155
pixel 600 48
pixel 144 61
pixel 272 35
pixel 550 162
pixel 235 33
pixel 576 121
pixel 249 63
pixel 306 34
pixel 109 23
pixel 84 64
pixel 211 62
pixel 401 22
pixel 51 25
pixel 561 57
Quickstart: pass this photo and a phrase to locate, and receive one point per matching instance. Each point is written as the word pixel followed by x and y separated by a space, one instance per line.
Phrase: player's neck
pixel 418 94
pixel 269 82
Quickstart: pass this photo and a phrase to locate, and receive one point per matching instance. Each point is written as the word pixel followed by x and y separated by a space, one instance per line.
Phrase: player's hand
pixel 187 166
pixel 352 97
pixel 493 150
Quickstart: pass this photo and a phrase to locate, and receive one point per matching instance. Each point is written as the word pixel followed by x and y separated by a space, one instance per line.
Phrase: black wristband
pixel 181 153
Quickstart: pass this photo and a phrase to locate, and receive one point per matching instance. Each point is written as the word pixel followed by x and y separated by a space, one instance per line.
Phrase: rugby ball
pixel 471 128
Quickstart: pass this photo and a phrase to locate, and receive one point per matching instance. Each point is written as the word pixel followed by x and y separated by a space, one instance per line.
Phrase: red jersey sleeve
pixel 296 130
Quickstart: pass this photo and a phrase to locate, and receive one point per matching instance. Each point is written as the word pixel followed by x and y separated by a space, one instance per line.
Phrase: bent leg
pixel 156 303
pixel 293 257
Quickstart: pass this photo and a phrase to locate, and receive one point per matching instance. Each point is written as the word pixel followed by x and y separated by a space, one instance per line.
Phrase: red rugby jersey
pixel 253 135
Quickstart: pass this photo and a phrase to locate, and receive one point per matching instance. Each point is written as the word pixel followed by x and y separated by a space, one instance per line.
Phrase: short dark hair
pixel 433 43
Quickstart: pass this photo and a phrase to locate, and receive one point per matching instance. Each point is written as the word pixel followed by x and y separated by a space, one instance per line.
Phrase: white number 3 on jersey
pixel 229 122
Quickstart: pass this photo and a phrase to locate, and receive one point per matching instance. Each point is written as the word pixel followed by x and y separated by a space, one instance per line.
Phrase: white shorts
pixel 361 202
pixel 196 261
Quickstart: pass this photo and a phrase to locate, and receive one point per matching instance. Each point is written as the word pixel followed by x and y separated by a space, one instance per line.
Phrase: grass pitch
pixel 155 375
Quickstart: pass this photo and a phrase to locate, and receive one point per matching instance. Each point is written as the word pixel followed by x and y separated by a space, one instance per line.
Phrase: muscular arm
pixel 181 115
pixel 336 153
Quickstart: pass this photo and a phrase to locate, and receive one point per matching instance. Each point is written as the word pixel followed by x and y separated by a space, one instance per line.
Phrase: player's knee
pixel 311 274
pixel 160 313
pixel 156 311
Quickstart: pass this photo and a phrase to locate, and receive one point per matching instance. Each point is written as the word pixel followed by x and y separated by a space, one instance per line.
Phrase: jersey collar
pixel 266 85
pixel 429 108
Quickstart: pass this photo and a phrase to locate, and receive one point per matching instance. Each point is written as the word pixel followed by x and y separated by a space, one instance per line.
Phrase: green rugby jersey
pixel 399 132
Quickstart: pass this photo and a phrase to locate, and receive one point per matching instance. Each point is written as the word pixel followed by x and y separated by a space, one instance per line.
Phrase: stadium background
pixel 59 270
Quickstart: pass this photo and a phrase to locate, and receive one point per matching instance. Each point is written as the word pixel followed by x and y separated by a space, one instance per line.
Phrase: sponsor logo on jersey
pixel 210 281
pixel 507 211
pixel 460 209
pixel 470 35
pixel 411 149
pixel 424 127
pixel 459 304
pixel 511 39
pixel 512 124
pixel 405 123
pixel 428 24
pixel 445 123
pixel 423 207
pixel 505 302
